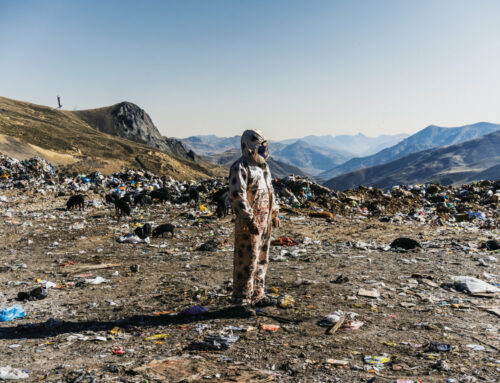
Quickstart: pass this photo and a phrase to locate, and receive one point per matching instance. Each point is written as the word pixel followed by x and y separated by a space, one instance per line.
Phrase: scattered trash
pixel 477 214
pixel 340 279
pixel 132 238
pixel 286 301
pixel 471 285
pixel 12 312
pixel 215 342
pixel 372 293
pixel 491 245
pixel 338 363
pixel 195 310
pixel 157 337
pixel 376 360
pixel 9 373
pixel 210 245
pixel 336 326
pixel 96 281
pixel 331 319
pixel 270 327
pixel 117 351
pixel 283 241
pixel 37 293
pixel 476 347
pixel 352 325
pixel 439 347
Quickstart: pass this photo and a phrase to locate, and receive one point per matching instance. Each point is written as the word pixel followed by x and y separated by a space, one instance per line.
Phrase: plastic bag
pixel 9 373
pixel 11 313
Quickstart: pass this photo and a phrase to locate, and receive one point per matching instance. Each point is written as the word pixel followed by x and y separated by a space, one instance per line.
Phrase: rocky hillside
pixel 71 140
pixel 462 163
pixel 129 121
pixel 430 137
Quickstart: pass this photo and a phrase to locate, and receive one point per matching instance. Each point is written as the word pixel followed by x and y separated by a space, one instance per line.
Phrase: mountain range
pixel 312 154
pixel 325 157
pixel 430 137
pixel 123 136
pixel 211 144
pixel 358 145
pixel 311 159
pixel 468 161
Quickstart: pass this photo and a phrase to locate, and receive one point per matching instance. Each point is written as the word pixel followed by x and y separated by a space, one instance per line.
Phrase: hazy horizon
pixel 289 68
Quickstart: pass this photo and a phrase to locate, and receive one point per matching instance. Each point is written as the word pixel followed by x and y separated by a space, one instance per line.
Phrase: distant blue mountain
pixel 313 154
pixel 211 144
pixel 359 144
pixel 309 158
pixel 472 160
pixel 431 137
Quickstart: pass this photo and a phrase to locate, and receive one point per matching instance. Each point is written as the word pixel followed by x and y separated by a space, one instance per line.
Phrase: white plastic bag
pixel 473 285
pixel 9 373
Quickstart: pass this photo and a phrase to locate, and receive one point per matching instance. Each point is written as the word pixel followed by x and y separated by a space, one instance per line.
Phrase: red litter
pixel 117 351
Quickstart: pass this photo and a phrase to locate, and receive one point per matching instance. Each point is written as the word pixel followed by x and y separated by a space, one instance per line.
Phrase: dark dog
pixel 142 199
pixel 160 195
pixel 75 201
pixel 122 208
pixel 221 198
pixel 128 198
pixel 194 195
pixel 191 195
pixel 162 229
pixel 143 232
pixel 112 198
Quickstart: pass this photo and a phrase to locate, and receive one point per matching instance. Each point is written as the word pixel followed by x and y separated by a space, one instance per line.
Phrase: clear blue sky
pixel 290 68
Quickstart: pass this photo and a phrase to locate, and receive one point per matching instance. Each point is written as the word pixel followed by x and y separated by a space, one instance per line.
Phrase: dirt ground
pixel 70 335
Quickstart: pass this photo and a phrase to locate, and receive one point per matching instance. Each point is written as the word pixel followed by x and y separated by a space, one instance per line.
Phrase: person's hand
pixel 252 226
pixel 276 222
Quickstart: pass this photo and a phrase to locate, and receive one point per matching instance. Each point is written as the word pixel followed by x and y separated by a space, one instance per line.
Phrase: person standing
pixel 252 199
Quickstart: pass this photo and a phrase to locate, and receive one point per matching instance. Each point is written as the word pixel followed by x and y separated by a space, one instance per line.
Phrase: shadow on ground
pixel 54 327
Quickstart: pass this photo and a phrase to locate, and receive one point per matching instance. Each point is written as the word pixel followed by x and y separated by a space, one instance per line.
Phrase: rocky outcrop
pixel 129 121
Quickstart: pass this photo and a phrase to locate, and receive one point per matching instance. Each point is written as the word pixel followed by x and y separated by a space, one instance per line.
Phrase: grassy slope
pixel 64 132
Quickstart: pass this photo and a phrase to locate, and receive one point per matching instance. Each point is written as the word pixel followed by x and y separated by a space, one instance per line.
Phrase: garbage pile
pixel 15 173
pixel 421 203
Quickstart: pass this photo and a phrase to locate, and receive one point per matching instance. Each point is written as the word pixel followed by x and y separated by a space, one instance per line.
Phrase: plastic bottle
pixel 11 313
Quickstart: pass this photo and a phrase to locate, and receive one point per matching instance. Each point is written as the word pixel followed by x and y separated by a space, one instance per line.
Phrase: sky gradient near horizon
pixel 290 68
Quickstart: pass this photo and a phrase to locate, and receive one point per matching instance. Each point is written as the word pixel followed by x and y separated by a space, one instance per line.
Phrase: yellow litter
pixel 156 337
